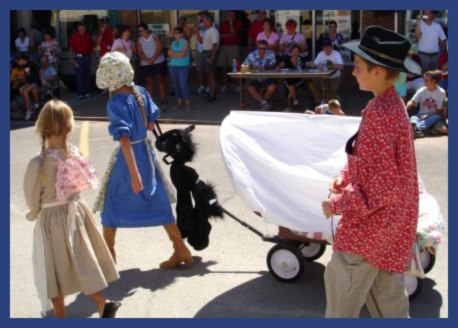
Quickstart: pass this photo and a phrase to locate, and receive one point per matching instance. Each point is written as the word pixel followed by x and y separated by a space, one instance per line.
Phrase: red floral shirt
pixel 379 203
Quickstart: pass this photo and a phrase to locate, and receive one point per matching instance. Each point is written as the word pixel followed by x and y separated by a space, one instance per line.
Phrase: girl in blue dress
pixel 133 193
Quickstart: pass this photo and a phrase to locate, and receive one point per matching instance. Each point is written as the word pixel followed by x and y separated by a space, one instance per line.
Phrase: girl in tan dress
pixel 69 253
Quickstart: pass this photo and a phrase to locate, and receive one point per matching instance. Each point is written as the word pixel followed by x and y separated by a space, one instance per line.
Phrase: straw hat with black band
pixel 385 48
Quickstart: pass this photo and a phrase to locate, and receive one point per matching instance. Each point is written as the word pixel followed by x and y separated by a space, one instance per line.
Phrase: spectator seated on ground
pixel 261 59
pixel 49 79
pixel 430 99
pixel 26 81
pixel 328 59
pixel 333 107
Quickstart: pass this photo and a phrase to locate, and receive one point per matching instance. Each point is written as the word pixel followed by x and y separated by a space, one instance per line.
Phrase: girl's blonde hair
pixel 55 119
pixel 141 103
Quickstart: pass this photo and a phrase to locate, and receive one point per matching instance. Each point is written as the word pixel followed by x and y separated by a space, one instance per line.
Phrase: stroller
pixel 284 184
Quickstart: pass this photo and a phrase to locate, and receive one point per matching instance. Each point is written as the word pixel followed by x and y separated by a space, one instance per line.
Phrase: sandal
pixel 110 309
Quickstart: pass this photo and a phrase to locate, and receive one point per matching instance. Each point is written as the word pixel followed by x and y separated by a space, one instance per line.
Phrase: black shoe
pixel 110 309
pixel 210 99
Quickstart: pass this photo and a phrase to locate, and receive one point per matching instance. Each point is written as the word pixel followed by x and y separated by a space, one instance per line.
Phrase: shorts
pixel 261 84
pixel 152 70
pixel 202 64
pixel 227 54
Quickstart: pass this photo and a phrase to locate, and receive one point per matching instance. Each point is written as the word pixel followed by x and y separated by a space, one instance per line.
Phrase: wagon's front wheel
pixel 285 262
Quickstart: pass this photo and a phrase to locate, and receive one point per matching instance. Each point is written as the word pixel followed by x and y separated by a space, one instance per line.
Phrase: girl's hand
pixel 137 184
pixel 326 205
pixel 423 117
pixel 336 185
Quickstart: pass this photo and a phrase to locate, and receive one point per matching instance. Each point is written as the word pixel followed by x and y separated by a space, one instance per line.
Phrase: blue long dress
pixel 122 207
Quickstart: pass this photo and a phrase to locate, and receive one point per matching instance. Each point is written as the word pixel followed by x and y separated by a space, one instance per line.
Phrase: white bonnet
pixel 114 71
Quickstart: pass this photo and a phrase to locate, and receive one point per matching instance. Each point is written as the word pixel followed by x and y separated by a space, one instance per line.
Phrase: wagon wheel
pixel 312 251
pixel 285 262
pixel 414 286
pixel 427 260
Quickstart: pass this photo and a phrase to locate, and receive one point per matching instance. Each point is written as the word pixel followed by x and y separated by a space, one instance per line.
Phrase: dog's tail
pixel 205 195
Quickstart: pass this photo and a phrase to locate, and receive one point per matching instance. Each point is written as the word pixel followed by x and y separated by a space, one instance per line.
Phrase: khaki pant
pixel 351 282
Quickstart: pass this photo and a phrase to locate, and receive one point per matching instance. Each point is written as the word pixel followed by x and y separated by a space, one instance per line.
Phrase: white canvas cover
pixel 281 164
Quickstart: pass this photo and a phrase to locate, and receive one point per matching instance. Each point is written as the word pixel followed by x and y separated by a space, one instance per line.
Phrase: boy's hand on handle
pixel 137 184
pixel 336 185
pixel 326 205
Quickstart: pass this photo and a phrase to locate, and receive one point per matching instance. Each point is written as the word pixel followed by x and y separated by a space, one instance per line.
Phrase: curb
pixel 162 121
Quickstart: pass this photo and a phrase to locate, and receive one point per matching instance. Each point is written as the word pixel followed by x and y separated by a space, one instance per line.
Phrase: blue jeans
pixel 179 76
pixel 83 75
pixel 427 123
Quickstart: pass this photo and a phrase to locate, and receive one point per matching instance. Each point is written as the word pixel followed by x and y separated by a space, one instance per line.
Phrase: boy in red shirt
pixel 377 191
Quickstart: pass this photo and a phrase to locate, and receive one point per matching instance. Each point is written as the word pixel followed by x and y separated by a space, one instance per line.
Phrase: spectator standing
pixel 36 38
pixel 336 38
pixel 210 42
pixel 256 27
pixel 22 42
pixel 124 44
pixel 81 55
pixel 268 33
pixel 105 36
pixel 187 30
pixel 262 59
pixel 230 45
pixel 50 48
pixel 291 38
pixel 153 66
pixel 179 67
pixel 327 59
pixel 431 38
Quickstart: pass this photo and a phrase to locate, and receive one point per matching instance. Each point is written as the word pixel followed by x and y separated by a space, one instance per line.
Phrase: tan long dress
pixel 76 258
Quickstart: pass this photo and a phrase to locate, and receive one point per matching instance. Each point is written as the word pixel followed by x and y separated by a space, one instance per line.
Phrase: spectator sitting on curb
pixel 431 101
pixel 333 107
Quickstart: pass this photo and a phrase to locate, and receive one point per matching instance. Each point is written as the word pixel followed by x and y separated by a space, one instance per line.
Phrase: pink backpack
pixel 74 174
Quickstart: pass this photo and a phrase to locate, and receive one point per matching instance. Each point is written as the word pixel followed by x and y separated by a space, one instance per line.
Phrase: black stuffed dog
pixel 193 221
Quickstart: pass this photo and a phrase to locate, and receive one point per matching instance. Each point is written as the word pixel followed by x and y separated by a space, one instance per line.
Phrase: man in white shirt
pixel 210 42
pixel 328 59
pixel 431 39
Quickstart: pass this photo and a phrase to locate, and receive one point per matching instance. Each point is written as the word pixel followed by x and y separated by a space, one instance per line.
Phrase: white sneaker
pixel 287 110
pixel 265 106
pixel 28 114
pixel 295 103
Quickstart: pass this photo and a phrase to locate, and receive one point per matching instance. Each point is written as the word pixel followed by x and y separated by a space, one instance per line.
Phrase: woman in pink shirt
pixel 270 36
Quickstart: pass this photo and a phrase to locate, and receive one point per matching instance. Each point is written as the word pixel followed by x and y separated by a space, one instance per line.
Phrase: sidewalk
pixel 94 108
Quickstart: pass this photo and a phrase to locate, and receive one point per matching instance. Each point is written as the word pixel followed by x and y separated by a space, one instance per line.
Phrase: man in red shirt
pixel 377 191
pixel 81 53
pixel 230 45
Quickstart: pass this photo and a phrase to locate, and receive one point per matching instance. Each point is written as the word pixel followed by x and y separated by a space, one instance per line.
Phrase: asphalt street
pixel 230 278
